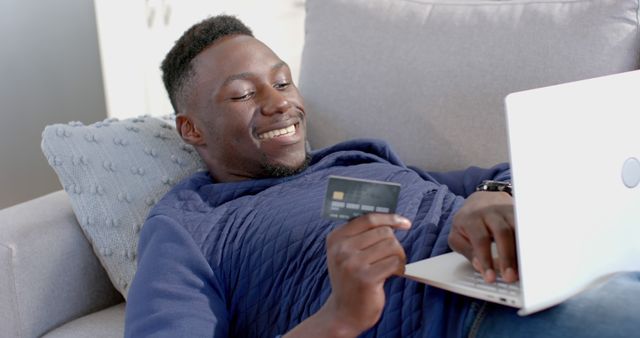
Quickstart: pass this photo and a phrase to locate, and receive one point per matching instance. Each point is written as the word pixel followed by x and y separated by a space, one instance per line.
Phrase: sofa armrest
pixel 48 271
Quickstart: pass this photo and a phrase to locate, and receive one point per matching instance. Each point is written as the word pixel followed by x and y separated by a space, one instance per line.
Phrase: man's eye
pixel 282 85
pixel 242 97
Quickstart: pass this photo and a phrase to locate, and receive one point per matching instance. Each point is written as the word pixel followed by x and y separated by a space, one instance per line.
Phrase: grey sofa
pixel 428 76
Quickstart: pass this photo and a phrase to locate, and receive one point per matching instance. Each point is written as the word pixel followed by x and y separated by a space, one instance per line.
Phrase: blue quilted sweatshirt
pixel 247 259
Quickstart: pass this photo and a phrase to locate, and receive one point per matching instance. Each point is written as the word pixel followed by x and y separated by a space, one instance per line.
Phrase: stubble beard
pixel 278 170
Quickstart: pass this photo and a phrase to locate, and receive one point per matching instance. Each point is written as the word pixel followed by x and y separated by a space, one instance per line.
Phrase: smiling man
pixel 251 104
pixel 242 251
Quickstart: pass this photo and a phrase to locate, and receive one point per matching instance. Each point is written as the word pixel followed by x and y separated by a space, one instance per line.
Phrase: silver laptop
pixel 575 151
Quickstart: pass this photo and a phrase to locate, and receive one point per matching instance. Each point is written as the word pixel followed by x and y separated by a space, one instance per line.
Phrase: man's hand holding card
pixel 362 253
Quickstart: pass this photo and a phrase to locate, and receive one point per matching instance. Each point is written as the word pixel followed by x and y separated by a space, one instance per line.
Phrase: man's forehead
pixel 235 54
pixel 226 58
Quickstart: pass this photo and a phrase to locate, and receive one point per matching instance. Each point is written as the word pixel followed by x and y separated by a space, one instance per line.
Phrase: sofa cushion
pixel 107 323
pixel 114 172
pixel 48 272
pixel 431 76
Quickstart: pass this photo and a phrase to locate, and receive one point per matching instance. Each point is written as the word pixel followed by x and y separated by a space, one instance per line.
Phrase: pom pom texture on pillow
pixel 114 172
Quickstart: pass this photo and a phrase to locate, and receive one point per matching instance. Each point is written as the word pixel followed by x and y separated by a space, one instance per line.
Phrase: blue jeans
pixel 611 310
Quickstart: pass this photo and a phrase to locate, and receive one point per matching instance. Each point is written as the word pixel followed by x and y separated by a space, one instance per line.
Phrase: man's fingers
pixel 370 221
pixel 507 212
pixel 485 218
pixel 504 238
pixel 461 244
pixel 385 268
pixel 370 237
pixel 371 233
pixel 481 239
pixel 374 264
pixel 382 250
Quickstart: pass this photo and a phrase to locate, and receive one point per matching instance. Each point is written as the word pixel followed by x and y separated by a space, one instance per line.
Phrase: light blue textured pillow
pixel 114 172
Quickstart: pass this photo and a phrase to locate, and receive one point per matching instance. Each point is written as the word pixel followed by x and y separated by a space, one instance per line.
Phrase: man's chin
pixel 282 170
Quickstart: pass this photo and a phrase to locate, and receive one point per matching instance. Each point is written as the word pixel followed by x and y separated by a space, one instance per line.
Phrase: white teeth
pixel 278 132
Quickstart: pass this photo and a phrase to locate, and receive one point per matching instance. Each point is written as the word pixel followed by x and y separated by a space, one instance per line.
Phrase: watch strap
pixel 490 185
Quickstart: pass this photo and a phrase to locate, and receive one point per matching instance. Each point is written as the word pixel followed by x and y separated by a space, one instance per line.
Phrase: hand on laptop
pixel 487 217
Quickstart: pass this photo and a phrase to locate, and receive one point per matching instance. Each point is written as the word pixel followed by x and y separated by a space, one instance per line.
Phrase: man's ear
pixel 188 130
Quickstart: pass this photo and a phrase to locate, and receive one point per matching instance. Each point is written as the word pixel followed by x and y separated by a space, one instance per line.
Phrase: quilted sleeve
pixel 174 292
pixel 464 182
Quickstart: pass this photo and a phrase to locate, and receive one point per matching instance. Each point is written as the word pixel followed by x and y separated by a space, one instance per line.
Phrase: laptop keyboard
pixel 499 286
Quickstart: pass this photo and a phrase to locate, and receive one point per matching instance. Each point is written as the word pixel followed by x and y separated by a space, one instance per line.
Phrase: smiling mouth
pixel 288 131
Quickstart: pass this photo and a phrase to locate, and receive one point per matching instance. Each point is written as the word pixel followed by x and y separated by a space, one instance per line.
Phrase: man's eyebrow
pixel 247 75
pixel 279 65
pixel 239 76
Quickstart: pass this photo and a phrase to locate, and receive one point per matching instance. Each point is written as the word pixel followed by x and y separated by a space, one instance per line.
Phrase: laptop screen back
pixel 577 219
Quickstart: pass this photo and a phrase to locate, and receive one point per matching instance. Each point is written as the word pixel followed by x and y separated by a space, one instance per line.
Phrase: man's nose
pixel 274 102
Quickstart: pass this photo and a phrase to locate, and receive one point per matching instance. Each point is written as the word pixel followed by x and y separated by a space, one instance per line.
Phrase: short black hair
pixel 177 68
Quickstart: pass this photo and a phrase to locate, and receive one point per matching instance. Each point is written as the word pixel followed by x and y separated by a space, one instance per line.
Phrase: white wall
pixel 136 35
pixel 49 72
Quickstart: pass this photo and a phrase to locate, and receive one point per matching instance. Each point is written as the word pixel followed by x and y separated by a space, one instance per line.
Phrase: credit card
pixel 347 197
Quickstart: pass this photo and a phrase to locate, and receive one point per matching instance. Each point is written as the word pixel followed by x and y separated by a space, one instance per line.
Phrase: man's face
pixel 249 113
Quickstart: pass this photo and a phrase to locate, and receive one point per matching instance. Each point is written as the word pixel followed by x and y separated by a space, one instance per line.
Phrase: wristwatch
pixel 488 185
